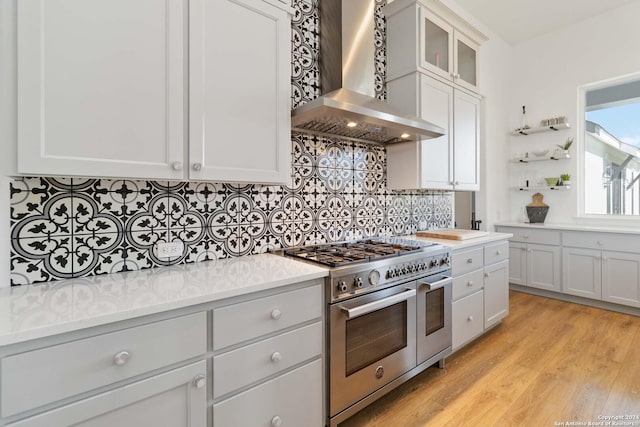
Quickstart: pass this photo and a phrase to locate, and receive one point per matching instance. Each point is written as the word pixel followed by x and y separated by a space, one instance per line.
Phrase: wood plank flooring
pixel 549 362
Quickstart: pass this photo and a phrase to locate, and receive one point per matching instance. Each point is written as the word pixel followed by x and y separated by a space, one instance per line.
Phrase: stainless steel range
pixel 388 316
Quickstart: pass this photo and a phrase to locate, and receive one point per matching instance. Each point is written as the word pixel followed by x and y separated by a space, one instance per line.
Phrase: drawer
pixel 467 284
pixel 601 241
pixel 293 399
pixel 496 252
pixel 466 261
pixel 530 235
pixel 129 405
pixel 236 323
pixel 468 319
pixel 251 363
pixel 38 377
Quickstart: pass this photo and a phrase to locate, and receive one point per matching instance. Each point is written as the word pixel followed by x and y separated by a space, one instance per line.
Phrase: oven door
pixel 434 317
pixel 371 342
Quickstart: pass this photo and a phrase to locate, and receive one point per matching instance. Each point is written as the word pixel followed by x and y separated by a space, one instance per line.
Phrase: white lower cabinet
pixel 468 318
pixel 534 265
pixel 598 265
pixel 267 368
pixel 609 276
pixel 176 398
pixel 496 293
pixel 263 368
pixel 480 290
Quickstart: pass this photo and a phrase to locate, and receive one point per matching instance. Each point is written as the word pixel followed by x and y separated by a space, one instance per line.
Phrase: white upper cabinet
pixel 425 35
pixel 449 162
pixel 102 89
pixel 240 90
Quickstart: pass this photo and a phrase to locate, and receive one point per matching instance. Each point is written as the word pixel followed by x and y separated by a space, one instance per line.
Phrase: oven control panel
pixel 370 279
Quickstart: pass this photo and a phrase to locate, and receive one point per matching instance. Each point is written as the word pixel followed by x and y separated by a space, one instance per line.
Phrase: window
pixel 610 155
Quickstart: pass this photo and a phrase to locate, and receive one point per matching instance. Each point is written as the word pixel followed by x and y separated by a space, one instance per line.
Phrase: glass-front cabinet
pixel 447 51
pixel 446 45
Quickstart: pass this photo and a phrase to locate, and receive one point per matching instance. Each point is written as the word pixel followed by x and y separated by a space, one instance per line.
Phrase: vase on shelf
pixel 537 210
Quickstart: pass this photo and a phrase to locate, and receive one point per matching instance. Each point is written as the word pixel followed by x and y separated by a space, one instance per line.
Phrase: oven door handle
pixel 437 284
pixel 377 305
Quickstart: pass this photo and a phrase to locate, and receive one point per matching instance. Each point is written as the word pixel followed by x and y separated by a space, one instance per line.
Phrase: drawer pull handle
pixel 199 381
pixel 470 319
pixel 276 421
pixel 470 283
pixel 486 274
pixel 470 261
pixel 600 243
pixel 276 357
pixel 526 236
pixel 121 358
pixel 276 314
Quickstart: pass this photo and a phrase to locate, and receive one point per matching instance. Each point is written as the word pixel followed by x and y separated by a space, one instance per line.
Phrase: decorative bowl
pixel 552 181
pixel 540 153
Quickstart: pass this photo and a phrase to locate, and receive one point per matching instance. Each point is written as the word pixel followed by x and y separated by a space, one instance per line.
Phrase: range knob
pixel 444 261
pixel 358 282
pixel 433 263
pixel 342 286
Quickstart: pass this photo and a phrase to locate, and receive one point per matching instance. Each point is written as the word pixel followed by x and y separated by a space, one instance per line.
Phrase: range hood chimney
pixel 347 107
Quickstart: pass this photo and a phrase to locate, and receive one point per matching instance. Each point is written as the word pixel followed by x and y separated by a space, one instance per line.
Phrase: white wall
pixel 492 201
pixel 547 72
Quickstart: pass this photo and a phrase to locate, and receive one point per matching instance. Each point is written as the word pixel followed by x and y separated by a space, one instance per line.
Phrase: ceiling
pixel 516 20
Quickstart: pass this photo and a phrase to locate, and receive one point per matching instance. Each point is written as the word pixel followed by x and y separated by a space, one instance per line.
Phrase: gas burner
pixel 346 253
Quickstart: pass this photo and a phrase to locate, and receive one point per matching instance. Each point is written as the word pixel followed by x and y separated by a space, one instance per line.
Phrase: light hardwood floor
pixel 548 362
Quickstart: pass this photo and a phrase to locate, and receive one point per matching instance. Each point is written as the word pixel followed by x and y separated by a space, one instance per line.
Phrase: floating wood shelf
pixel 549 128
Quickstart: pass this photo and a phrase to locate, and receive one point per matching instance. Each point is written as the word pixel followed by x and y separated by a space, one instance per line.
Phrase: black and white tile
pixel 72 227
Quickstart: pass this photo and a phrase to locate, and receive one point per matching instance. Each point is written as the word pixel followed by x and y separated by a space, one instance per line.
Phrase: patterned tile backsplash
pixel 75 227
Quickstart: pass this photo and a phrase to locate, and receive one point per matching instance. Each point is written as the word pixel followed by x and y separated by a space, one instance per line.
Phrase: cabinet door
pixel 466 142
pixel 465 61
pixel 621 278
pixel 581 272
pixel 174 399
pixel 101 87
pixel 496 293
pixel 239 91
pixel 436 105
pixel 543 267
pixel 436 36
pixel 517 263
pixel 467 319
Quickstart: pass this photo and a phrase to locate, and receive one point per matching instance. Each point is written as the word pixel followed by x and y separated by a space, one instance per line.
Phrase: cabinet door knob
pixel 470 319
pixel 276 314
pixel 528 250
pixel 276 421
pixel 470 261
pixel 486 274
pixel 470 283
pixel 199 381
pixel 456 183
pixel 526 236
pixel 604 258
pixel 121 357
pixel 276 357
pixel 197 166
pixel 176 166
pixel 600 243
pixel 498 253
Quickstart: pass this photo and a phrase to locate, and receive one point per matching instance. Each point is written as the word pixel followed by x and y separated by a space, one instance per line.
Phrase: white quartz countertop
pixel 35 311
pixel 573 227
pixel 461 244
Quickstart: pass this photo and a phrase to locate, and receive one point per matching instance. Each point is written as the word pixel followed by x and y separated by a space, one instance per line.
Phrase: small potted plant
pixel 565 178
pixel 563 150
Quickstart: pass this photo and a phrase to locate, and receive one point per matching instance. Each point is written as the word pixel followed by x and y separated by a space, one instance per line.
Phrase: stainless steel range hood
pixel 348 108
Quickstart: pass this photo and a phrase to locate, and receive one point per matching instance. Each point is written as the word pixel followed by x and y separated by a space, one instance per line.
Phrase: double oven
pixel 388 316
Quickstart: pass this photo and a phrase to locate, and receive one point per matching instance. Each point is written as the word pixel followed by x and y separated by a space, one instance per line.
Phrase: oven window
pixel 435 311
pixel 375 335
